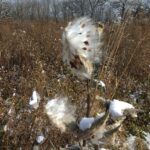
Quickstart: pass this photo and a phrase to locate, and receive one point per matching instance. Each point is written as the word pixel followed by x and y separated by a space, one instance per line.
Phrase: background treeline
pixel 104 10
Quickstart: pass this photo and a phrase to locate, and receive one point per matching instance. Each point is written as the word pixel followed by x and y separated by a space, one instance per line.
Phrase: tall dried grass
pixel 30 57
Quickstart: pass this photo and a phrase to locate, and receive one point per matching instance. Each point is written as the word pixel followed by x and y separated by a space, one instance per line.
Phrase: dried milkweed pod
pixel 82 41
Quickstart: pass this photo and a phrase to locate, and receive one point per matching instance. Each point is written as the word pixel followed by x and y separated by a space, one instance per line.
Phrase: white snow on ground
pixel 131 142
pixel 60 112
pixel 147 139
pixel 35 100
pixel 117 108
pixel 86 123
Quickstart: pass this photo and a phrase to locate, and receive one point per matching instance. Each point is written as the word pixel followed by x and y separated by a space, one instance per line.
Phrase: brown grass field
pixel 30 58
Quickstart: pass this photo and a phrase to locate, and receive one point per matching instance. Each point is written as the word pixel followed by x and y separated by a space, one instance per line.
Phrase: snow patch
pixel 131 142
pixel 117 108
pixel 147 139
pixel 86 123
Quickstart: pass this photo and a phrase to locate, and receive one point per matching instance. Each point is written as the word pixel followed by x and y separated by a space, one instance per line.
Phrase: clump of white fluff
pixel 35 100
pixel 60 112
pixel 82 46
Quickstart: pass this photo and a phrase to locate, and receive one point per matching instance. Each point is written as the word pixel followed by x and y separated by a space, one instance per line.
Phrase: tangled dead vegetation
pixel 30 58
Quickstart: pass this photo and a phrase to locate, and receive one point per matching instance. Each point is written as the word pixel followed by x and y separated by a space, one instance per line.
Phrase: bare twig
pixel 88 99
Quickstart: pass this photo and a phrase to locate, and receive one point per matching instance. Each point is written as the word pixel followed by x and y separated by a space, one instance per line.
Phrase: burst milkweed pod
pixel 82 41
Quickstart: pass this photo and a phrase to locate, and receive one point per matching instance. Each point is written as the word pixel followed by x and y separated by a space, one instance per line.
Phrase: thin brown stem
pixel 88 99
